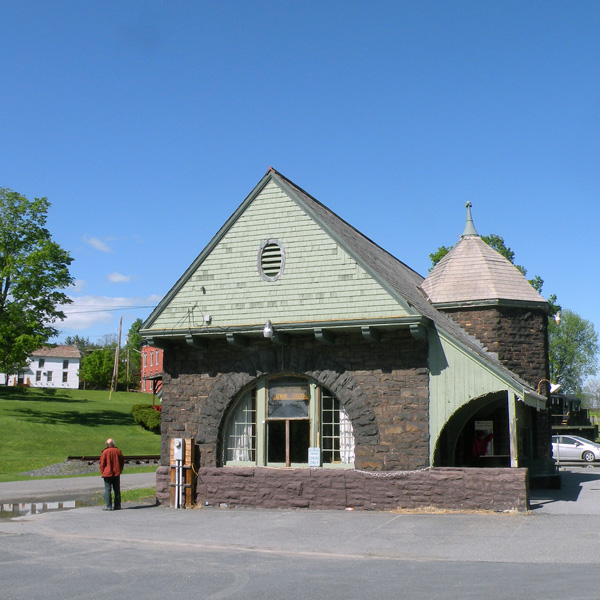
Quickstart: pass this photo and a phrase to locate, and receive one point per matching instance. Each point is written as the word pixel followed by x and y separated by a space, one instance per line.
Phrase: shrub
pixel 146 416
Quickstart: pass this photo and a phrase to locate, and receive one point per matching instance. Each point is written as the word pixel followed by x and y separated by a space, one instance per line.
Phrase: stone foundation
pixel 443 488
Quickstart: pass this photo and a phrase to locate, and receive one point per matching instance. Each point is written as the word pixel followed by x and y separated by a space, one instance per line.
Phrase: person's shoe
pixel 107 508
pixel 117 508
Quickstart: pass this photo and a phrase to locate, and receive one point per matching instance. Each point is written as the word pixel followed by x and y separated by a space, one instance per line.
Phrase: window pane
pixel 276 442
pixel 337 437
pixel 241 431
pixel 298 442
pixel 288 398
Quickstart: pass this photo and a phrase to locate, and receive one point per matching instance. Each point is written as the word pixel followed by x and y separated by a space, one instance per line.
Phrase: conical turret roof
pixel 474 272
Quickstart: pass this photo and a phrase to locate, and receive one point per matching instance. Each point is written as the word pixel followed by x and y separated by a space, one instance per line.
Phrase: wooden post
pixel 115 379
pixel 512 429
pixel 127 365
pixel 188 474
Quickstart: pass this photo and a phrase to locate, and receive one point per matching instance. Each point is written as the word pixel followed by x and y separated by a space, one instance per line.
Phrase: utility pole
pixel 127 361
pixel 115 380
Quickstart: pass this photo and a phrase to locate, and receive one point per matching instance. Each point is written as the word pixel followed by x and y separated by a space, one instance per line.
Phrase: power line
pixel 98 310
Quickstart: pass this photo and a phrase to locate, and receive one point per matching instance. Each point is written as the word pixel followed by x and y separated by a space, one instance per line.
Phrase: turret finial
pixel 469 227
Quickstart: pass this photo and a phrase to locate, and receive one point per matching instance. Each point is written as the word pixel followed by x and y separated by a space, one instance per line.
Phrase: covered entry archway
pixel 501 419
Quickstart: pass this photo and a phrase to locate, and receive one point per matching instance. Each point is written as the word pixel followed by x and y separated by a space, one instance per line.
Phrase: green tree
pixel 133 349
pixel 591 394
pixel 33 270
pixel 97 368
pixel 84 344
pixel 573 351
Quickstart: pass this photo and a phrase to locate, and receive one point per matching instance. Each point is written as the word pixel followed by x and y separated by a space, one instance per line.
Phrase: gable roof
pixel 57 352
pixel 397 279
pixel 400 281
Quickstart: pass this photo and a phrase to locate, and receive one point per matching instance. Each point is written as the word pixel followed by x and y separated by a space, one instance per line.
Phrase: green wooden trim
pixel 324 336
pixel 386 323
pixel 521 389
pixel 235 339
pixel 195 341
pixel 370 334
pixel 418 332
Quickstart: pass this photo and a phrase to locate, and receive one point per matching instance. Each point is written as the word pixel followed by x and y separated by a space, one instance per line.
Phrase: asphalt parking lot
pixel 146 551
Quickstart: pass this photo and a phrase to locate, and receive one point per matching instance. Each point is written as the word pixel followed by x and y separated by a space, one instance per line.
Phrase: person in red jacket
pixel 111 467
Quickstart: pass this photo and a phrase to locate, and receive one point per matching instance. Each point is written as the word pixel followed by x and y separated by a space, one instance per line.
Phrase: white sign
pixel 314 457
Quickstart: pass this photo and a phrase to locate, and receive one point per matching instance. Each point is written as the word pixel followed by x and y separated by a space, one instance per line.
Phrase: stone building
pixel 311 368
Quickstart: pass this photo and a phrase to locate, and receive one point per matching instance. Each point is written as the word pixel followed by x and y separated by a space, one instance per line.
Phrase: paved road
pixel 156 553
pixel 68 488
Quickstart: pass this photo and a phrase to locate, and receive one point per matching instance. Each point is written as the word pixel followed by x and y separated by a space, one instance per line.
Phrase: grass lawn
pixel 40 427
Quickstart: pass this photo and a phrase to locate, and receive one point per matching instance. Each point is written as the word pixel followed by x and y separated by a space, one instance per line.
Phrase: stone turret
pixel 491 299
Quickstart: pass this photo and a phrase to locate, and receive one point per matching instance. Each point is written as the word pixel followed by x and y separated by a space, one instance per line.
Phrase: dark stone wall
pixel 384 387
pixel 444 488
pixel 518 336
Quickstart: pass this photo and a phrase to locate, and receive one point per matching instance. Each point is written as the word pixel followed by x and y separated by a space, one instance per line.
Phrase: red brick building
pixel 151 369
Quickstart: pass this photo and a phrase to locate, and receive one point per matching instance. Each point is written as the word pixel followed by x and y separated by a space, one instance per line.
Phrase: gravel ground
pixel 80 467
pixel 68 467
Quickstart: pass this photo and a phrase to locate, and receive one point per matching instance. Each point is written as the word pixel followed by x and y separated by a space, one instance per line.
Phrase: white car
pixel 573 447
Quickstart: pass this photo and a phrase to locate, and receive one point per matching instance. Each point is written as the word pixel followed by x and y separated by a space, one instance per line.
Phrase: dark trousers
pixel 113 483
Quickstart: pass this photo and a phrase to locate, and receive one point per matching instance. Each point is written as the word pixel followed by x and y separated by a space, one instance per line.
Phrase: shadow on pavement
pixel 573 484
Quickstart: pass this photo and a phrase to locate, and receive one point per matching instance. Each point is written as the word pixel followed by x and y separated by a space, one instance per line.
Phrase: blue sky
pixel 146 123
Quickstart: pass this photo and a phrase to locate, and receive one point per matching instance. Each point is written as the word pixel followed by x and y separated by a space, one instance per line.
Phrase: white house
pixel 56 367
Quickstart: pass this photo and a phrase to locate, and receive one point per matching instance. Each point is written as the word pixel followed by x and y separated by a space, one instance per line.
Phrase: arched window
pixel 275 422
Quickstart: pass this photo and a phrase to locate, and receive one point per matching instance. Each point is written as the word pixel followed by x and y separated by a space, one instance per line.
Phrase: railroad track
pixel 128 458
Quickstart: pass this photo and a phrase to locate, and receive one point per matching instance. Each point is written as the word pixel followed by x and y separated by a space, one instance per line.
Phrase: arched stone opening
pixel 455 444
pixel 291 361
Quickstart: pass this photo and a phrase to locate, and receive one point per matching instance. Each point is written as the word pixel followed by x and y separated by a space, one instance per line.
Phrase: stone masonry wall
pixel 384 387
pixel 444 488
pixel 518 336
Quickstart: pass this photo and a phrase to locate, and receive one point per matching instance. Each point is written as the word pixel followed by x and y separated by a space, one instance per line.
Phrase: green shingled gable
pixel 321 282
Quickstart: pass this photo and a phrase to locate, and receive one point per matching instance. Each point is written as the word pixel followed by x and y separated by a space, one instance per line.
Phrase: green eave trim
pixel 386 324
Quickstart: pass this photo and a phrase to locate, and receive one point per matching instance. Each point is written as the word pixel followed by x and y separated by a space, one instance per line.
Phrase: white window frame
pixel 259 393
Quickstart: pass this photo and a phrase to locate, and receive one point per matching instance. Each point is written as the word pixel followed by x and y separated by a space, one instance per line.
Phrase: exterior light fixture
pixel 268 330
pixel 557 318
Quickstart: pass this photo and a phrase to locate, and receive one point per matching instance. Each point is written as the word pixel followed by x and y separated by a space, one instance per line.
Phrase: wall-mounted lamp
pixel 557 318
pixel 268 330
pixel 207 319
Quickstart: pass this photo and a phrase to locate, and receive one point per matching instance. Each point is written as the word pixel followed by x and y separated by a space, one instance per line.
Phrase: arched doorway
pixel 487 415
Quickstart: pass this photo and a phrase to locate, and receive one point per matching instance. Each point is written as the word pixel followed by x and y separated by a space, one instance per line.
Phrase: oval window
pixel 271 260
